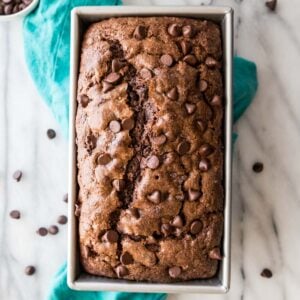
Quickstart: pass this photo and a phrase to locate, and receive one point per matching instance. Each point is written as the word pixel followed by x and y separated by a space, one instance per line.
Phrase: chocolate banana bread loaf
pixel 150 154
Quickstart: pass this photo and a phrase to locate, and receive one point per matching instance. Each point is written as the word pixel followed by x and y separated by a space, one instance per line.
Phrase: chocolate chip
pixel 194 195
pixel 126 258
pixel 113 78
pixel 204 165
pixel 128 124
pixel 15 214
pixel 154 197
pixel 42 231
pixel 271 5
pixel 190 108
pixel 190 60
pixel 62 220
pixel 174 30
pixel 65 198
pixel 267 273
pixel 118 184
pixel 173 94
pixel 53 229
pixel 183 147
pixel 117 64
pixel 215 254
pixel 159 140
pixel 196 227
pixel 77 211
pixel 188 31
pixel 166 229
pixel 216 101
pixel 29 270
pixel 201 125
pixel 206 150
pixel 121 271
pixel 146 74
pixel 203 85
pixel 7 1
pixel 186 47
pixel 91 142
pixel 211 62
pixel 103 159
pixel 111 236
pixel 8 9
pixel 107 87
pixel 17 175
pixel 51 134
pixel 177 222
pixel 140 32
pixel 258 167
pixel 134 212
pixel 174 272
pixel 84 100
pixel 153 162
pixel 166 60
pixel 114 126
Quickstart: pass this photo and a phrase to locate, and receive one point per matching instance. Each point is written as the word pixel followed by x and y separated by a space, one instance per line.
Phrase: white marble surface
pixel 266 206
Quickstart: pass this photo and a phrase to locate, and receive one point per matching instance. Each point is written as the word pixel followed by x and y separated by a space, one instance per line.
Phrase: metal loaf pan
pixel 77 278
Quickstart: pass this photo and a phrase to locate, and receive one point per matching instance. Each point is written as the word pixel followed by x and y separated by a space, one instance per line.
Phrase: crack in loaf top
pixel 150 156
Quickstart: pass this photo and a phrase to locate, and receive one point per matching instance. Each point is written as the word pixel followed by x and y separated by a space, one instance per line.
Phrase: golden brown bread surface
pixel 150 154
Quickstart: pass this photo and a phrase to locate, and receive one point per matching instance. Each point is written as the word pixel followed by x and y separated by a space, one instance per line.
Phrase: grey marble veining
pixel 266 206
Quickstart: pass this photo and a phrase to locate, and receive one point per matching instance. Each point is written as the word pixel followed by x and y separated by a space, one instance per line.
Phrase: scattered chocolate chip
pixel 188 31
pixel 65 198
pixel 77 211
pixel 166 229
pixel 84 100
pixel 183 147
pixel 29 270
pixel 42 231
pixel 91 142
pixel 271 5
pixel 118 184
pixel 121 271
pixel 206 150
pixel 113 78
pixel 173 94
pixel 111 236
pixel 134 212
pixel 126 258
pixel 190 108
pixel 196 227
pixel 8 9
pixel 146 73
pixel 177 222
pixel 153 162
pixel 204 165
pixel 15 214
pixel 190 60
pixel 107 87
pixel 104 159
pixel 128 124
pixel 159 140
pixel 267 273
pixel 166 60
pixel 186 47
pixel 174 272
pixel 216 101
pixel 53 229
pixel 258 167
pixel 117 64
pixel 51 134
pixel 140 32
pixel 201 125
pixel 203 86
pixel 174 30
pixel 115 126
pixel 215 253
pixel 62 220
pixel 194 195
pixel 211 62
pixel 17 175
pixel 154 197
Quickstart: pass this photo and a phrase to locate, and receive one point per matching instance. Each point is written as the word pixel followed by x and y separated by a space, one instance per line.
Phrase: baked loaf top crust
pixel 150 155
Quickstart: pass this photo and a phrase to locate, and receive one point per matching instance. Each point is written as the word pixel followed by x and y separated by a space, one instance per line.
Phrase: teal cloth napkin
pixel 47 43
